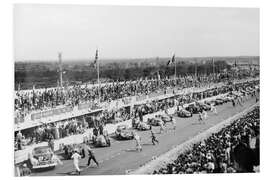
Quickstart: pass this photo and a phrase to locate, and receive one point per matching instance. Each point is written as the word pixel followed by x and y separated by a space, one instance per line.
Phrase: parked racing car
pixel 123 132
pixel 101 141
pixel 165 118
pixel 42 157
pixel 156 121
pixel 219 101
pixel 193 108
pixel 227 98
pixel 216 102
pixel 203 106
pixel 142 126
pixel 183 113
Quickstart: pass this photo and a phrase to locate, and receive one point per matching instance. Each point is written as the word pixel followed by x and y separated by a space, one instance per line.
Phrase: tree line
pixel 40 76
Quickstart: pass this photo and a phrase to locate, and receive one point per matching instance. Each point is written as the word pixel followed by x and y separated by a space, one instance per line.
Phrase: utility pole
pixel 174 69
pixel 60 69
pixel 213 64
pixel 196 64
pixel 97 63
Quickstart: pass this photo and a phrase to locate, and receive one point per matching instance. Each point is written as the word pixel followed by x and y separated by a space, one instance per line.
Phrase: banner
pixel 140 98
pixel 50 113
pixel 84 106
pixel 155 94
pixel 127 100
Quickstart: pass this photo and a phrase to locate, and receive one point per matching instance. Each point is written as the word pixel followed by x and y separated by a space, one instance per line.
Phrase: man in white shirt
pixel 213 108
pixel 76 158
pixel 138 141
pixel 204 114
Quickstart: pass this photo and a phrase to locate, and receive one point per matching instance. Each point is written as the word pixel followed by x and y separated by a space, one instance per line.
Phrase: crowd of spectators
pixel 230 150
pixel 79 125
pixel 33 100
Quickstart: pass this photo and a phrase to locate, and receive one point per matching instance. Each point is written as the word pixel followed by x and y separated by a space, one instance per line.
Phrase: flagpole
pixel 196 68
pixel 98 76
pixel 60 69
pixel 175 69
pixel 213 63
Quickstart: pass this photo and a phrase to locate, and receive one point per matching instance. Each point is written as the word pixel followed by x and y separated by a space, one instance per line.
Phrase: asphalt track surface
pixel 122 156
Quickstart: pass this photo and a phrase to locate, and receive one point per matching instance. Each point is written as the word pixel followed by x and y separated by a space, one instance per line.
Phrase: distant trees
pixel 46 75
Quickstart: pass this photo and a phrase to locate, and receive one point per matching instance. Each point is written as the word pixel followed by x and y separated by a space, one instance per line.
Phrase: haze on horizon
pixel 41 31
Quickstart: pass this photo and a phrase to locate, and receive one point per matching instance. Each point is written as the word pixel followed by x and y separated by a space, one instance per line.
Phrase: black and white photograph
pixel 135 90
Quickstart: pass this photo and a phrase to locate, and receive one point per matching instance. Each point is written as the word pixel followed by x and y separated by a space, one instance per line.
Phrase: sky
pixel 41 31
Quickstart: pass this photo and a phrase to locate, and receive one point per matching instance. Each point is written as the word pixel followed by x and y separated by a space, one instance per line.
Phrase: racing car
pixel 42 157
pixel 142 126
pixel 219 101
pixel 228 98
pixel 183 113
pixel 101 141
pixel 203 106
pixel 156 121
pixel 165 118
pixel 123 132
pixel 193 108
pixel 215 102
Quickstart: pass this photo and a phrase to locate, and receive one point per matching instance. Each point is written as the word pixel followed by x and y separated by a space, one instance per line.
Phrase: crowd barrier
pixel 171 155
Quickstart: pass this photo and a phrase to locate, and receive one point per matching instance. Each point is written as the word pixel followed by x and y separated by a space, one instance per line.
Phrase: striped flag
pixel 96 59
pixel 171 60
pixel 235 64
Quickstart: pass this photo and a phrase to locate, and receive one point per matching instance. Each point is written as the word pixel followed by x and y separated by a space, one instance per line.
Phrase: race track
pixel 122 156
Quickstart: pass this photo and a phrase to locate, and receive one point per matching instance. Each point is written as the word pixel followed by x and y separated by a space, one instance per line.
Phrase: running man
pixel 204 113
pixel 238 100
pixel 154 138
pixel 200 119
pixel 173 122
pixel 138 141
pixel 161 125
pixel 76 156
pixel 91 156
pixel 213 108
pixel 233 102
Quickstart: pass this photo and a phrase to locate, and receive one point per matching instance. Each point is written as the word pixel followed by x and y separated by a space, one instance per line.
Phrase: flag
pixel 96 59
pixel 250 67
pixel 235 63
pixel 171 60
